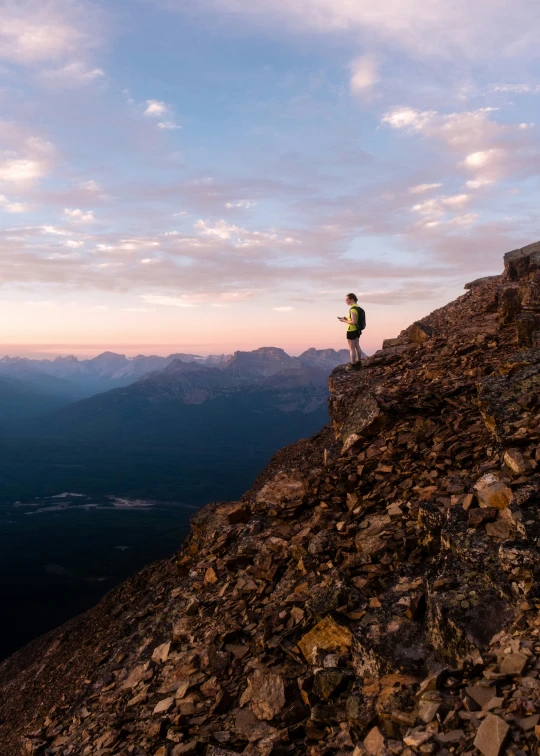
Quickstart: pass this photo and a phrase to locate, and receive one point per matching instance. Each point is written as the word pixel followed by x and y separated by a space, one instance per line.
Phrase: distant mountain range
pixel 166 427
pixel 107 370
pixel 110 370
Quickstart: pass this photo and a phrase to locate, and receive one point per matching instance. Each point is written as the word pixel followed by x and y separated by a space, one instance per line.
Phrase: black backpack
pixel 361 317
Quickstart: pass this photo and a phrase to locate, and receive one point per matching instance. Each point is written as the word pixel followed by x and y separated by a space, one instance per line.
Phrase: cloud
pixel 220 230
pixel 156 108
pixel 161 299
pixel 20 170
pixel 54 230
pixel 243 204
pixel 168 125
pixel 12 207
pixel 90 186
pixel 470 28
pixel 72 74
pixel 516 88
pixel 364 74
pixel 283 309
pixel 434 211
pixel 241 237
pixel 36 32
pixel 458 131
pixel 488 149
pixel 423 188
pixel 456 200
pixel 487 165
pixel 61 255
pixel 73 244
pixel 79 216
pixel 26 157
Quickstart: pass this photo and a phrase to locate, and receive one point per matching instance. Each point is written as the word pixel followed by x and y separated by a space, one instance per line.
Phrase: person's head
pixel 351 299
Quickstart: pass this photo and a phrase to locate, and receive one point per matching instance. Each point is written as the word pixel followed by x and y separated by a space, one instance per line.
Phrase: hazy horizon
pixel 51 351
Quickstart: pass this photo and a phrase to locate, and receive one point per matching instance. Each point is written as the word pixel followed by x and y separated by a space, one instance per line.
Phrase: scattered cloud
pixel 220 230
pixel 168 125
pixel 516 88
pixel 283 309
pixel 62 255
pixel 467 28
pixel 79 216
pixel 12 207
pixel 26 158
pixel 161 299
pixel 423 188
pixel 364 74
pixel 34 32
pixel 54 230
pixel 243 204
pixel 90 186
pixel 156 108
pixel 73 74
pixel 73 244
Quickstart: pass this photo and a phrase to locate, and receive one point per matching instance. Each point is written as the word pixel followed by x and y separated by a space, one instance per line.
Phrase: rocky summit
pixel 375 593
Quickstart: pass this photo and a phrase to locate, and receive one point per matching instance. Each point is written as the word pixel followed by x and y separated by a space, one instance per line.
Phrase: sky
pixel 219 174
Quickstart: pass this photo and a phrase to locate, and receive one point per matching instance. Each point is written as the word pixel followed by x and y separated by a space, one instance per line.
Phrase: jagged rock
pixel 161 653
pixel 491 735
pixel 513 664
pixel 418 333
pixel 374 742
pixel 519 262
pixel 515 461
pixel 327 635
pixel 509 302
pixel 328 681
pixel 163 705
pixel 282 488
pixel 480 282
pixel 266 693
pixel 492 492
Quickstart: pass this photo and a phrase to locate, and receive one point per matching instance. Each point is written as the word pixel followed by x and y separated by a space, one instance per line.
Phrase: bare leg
pixel 357 353
pixel 351 344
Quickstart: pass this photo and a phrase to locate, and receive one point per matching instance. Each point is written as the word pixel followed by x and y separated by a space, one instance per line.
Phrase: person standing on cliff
pixel 355 323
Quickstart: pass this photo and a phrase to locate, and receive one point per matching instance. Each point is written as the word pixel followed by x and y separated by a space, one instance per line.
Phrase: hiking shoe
pixel 350 366
pixel 357 365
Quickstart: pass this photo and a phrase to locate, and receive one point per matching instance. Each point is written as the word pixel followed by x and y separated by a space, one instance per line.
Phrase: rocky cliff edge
pixel 376 593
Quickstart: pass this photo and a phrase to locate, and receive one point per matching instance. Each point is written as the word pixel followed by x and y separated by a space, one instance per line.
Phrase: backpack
pixel 361 317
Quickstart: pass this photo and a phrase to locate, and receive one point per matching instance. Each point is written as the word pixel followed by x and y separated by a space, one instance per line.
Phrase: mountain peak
pixel 68 359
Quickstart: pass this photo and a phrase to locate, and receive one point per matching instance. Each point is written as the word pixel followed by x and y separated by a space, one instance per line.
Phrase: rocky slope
pixel 376 592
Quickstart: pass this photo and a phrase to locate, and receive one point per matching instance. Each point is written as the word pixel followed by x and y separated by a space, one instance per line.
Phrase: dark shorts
pixel 352 335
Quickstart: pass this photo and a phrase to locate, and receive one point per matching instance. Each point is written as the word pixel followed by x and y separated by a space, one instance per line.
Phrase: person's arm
pixel 353 320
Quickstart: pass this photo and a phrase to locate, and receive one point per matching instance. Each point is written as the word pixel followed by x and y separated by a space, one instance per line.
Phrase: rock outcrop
pixel 376 592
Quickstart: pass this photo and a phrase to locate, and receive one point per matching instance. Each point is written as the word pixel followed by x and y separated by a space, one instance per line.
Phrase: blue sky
pixel 219 174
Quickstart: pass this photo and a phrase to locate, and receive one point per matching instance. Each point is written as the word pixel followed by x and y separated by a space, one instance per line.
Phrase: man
pixel 353 331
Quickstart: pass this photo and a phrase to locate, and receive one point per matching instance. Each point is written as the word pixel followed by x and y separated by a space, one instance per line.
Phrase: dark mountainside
pixel 375 592
pixel 165 436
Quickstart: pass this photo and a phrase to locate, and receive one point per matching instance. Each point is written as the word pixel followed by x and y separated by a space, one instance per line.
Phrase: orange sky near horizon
pixel 50 331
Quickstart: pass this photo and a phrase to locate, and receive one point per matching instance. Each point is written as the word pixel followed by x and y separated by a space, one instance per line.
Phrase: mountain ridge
pixel 375 592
